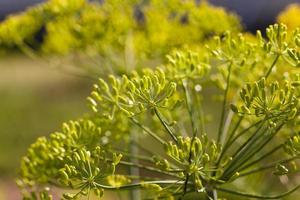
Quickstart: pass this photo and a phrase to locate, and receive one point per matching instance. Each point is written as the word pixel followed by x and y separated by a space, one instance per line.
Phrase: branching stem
pixel 255 196
pixel 189 106
pixel 148 168
pixel 139 185
pixel 272 66
pixel 166 126
pixel 262 157
pixel 272 165
pixel 221 125
pixel 147 130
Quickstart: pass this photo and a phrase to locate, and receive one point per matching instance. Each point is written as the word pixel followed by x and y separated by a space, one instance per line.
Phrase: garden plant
pixel 112 36
pixel 87 38
pixel 254 83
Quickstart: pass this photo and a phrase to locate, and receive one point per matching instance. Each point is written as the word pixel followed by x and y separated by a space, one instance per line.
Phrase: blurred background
pixel 36 98
pixel 255 14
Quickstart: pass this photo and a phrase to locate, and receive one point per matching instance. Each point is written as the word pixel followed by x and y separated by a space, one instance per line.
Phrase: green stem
pixel 141 147
pixel 240 134
pixel 227 144
pixel 212 194
pixel 272 165
pixel 262 157
pixel 138 185
pixel 221 125
pixel 272 66
pixel 147 130
pixel 168 129
pixel 234 130
pixel 27 50
pixel 239 155
pixel 193 124
pixel 146 168
pixel 130 155
pixel 134 151
pixel 258 147
pixel 186 183
pixel 251 138
pixel 227 123
pixel 201 114
pixel 234 192
pixel 189 106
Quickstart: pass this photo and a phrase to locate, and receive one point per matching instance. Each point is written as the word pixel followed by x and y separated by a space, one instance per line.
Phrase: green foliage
pixel 185 65
pixel 195 156
pixel 292 146
pixel 257 86
pixel 50 153
pixel 114 33
pixel 270 102
pixel 132 95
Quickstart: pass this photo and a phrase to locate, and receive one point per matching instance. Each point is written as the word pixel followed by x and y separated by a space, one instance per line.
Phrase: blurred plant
pixel 258 128
pixel 122 34
pixel 290 16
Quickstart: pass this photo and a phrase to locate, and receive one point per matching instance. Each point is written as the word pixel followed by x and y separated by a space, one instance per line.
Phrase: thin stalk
pixel 255 196
pixel 148 178
pixel 242 133
pixel 262 157
pixel 144 159
pixel 164 197
pixel 221 125
pixel 201 114
pixel 168 129
pixel 189 106
pixel 186 184
pixel 246 157
pixel 147 151
pixel 227 144
pixel 232 133
pixel 147 130
pixel 134 150
pixel 27 50
pixel 129 154
pixel 81 190
pixel 254 151
pixel 249 139
pixel 272 165
pixel 32 55
pixel 272 66
pixel 212 194
pixel 258 147
pixel 140 166
pixel 240 153
pixel 130 63
pixel 226 126
pixel 138 185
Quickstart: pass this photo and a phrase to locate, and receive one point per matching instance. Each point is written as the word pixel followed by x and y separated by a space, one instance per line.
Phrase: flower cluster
pixel 251 137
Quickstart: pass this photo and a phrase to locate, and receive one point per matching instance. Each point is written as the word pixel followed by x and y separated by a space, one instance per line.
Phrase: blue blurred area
pixel 11 6
pixel 256 14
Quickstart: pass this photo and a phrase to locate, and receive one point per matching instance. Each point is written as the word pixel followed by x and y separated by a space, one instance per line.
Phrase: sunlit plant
pixel 255 85
pixel 290 16
pixel 121 35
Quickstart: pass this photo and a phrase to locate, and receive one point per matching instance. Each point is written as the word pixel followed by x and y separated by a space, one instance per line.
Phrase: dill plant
pixel 255 81
pixel 122 34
